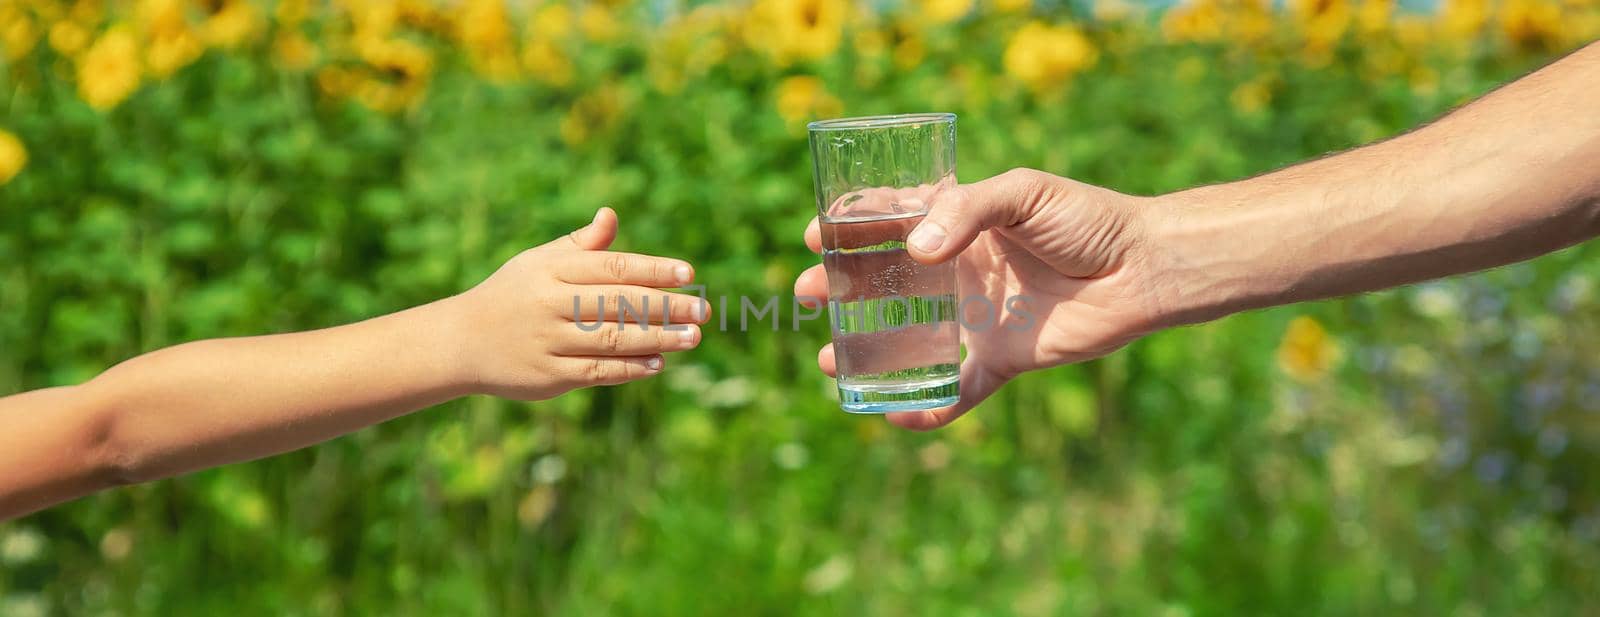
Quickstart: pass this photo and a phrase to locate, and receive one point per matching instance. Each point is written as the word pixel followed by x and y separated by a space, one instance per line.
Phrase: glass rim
pixel 879 122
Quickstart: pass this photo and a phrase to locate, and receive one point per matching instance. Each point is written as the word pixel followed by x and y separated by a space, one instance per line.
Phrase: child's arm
pixel 214 402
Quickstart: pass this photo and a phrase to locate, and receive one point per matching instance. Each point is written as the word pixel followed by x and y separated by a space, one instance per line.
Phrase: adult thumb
pixel 955 218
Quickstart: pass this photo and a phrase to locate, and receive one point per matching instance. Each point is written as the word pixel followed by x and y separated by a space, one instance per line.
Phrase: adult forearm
pixel 1507 178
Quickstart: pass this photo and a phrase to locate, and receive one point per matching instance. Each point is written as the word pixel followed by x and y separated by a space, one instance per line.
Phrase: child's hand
pixel 217 401
pixel 520 332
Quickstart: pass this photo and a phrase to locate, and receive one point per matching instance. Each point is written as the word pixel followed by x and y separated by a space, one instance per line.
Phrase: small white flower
pixel 21 546
pixel 730 392
pixel 689 378
pixel 829 576
pixel 549 469
pixel 791 456
pixel 24 605
pixel 1438 301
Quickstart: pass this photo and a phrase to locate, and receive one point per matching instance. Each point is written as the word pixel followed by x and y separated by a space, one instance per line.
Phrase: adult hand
pixel 1074 254
pixel 1487 185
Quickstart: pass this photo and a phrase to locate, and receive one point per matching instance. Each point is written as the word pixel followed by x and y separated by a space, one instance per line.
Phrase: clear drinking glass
pixel 896 334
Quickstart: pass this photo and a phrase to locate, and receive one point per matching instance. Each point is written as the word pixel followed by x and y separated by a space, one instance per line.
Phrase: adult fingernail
pixel 687 334
pixel 653 364
pixel 701 310
pixel 927 237
pixel 683 274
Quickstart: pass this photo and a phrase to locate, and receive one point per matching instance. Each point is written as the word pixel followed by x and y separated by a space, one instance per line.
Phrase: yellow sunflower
pixel 336 81
pixel 485 31
pixel 1532 25
pixel 1375 17
pixel 292 12
pixel 294 51
pixel 68 37
pixel 908 45
pixel 18 33
pixel 552 22
pixel 171 43
pixel 599 23
pixel 804 97
pixel 547 63
pixel 1463 20
pixel 1198 21
pixel 13 156
pixel 401 71
pixel 109 71
pixel 796 30
pixel 427 16
pixel 1323 24
pixel 1251 21
pixel 943 11
pixel 1307 352
pixel 1252 96
pixel 372 21
pixel 229 23
pixel 1042 55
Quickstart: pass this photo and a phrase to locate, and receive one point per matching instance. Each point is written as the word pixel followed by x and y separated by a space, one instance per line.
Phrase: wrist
pixel 1212 255
pixel 443 332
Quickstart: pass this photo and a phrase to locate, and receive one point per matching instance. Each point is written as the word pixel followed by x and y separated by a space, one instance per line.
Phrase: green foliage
pixel 1441 469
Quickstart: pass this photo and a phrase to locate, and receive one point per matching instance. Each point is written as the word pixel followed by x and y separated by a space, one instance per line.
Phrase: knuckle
pixel 686 309
pixel 559 300
pixel 1023 175
pixel 1026 180
pixel 596 370
pixel 611 339
pixel 1032 189
pixel 616 266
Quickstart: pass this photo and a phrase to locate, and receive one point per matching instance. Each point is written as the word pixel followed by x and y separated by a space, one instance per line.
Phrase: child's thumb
pixel 596 236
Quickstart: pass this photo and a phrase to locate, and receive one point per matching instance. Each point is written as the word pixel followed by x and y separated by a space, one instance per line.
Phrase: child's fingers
pixel 599 267
pixel 606 370
pixel 625 340
pixel 590 303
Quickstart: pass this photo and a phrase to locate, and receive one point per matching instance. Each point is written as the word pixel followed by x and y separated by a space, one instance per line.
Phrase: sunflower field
pixel 181 169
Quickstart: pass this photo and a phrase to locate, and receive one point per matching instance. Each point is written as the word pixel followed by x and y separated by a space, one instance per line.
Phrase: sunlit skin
pixel 220 401
pixel 1083 296
pixel 1506 178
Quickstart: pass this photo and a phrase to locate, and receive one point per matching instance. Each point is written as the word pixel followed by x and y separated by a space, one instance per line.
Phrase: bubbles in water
pixel 889 280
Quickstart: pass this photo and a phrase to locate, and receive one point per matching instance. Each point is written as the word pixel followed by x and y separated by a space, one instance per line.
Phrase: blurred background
pixel 175 169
